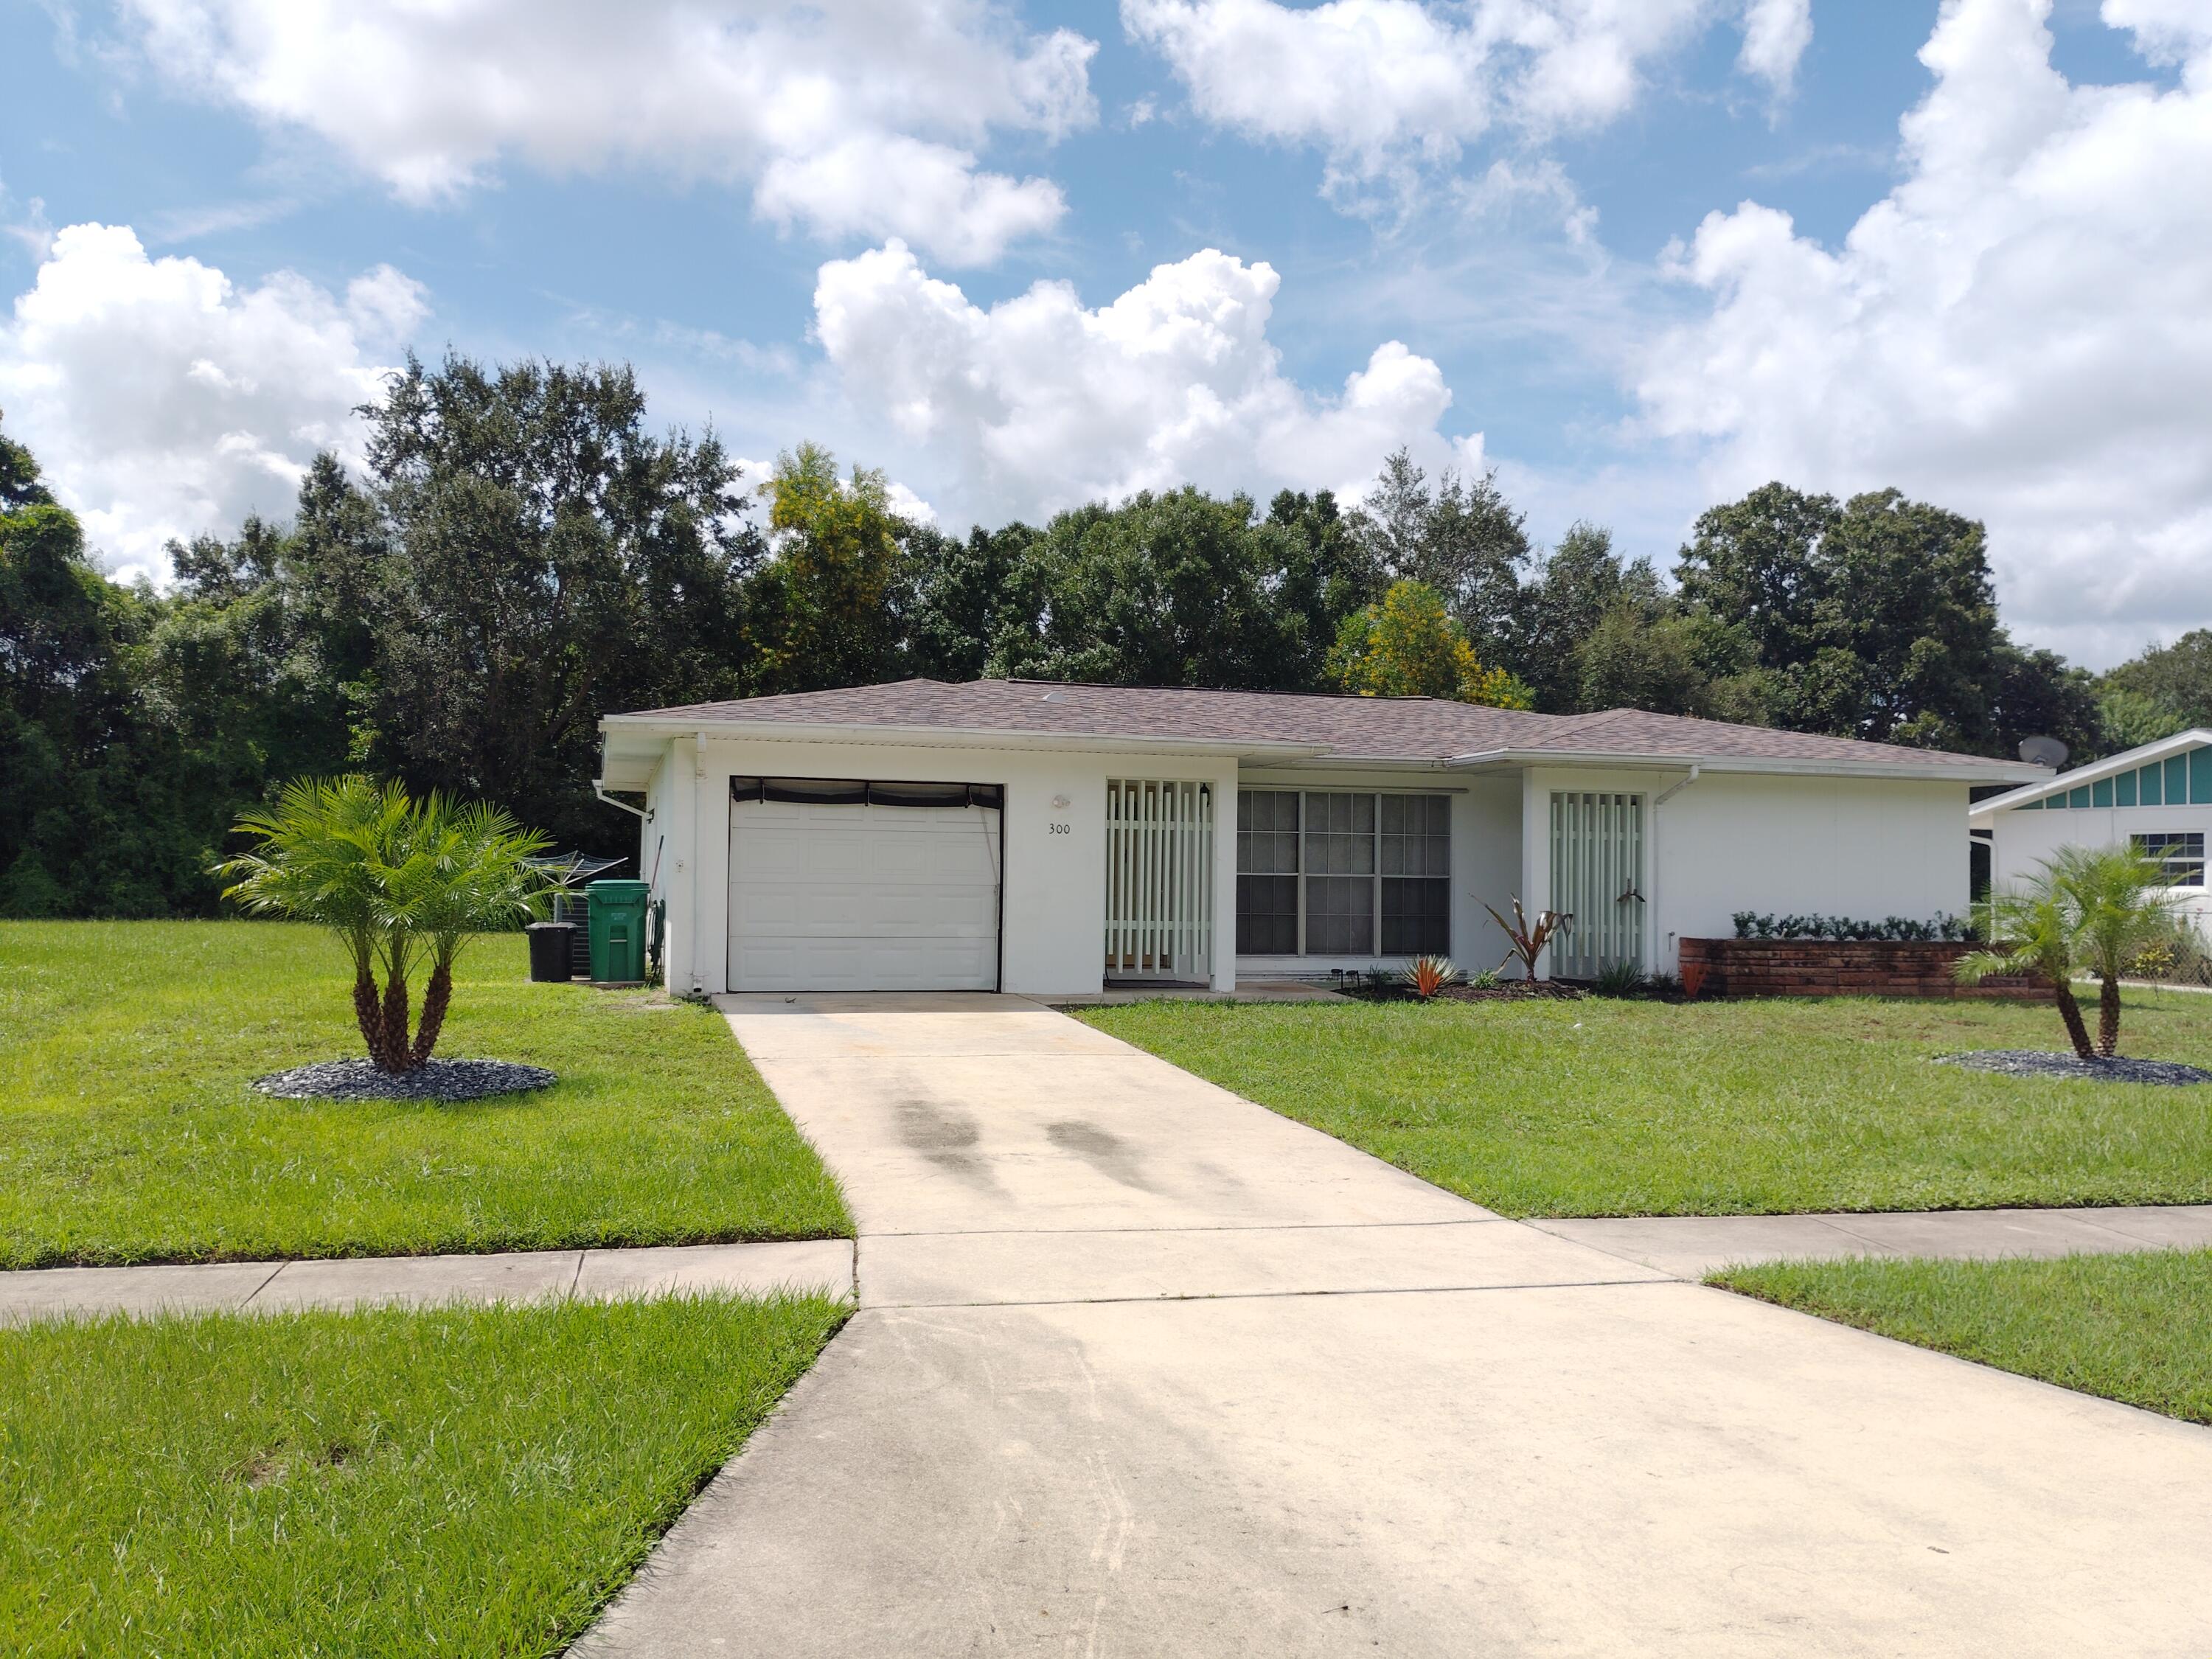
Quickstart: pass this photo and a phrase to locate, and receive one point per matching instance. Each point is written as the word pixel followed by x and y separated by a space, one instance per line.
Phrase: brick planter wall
pixel 1838 967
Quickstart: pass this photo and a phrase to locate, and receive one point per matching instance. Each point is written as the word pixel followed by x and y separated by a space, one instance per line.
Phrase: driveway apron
pixel 1142 1368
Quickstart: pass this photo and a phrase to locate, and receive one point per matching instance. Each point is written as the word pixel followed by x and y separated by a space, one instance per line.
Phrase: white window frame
pixel 2159 845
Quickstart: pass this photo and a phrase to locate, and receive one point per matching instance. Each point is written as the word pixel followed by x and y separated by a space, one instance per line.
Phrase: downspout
pixel 599 789
pixel 1657 801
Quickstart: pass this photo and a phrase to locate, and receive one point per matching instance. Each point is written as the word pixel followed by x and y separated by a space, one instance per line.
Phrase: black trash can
pixel 550 951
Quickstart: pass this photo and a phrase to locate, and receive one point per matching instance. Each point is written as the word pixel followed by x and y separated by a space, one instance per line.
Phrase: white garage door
pixel 863 897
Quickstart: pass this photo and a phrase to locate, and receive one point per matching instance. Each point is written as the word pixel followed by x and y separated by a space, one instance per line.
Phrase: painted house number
pixel 1062 828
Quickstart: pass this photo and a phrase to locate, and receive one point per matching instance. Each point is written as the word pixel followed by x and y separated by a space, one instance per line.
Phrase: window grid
pixel 1342 872
pixel 2181 852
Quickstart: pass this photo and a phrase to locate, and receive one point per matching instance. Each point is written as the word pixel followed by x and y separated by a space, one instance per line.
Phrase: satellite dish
pixel 2042 751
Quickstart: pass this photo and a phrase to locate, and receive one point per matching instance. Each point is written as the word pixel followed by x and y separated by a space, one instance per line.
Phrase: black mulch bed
pixel 1512 990
pixel 434 1079
pixel 2036 1062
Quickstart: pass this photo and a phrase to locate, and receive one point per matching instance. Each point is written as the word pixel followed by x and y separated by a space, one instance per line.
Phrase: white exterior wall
pixel 1729 842
pixel 2020 840
pixel 1485 855
pixel 1055 904
pixel 1863 847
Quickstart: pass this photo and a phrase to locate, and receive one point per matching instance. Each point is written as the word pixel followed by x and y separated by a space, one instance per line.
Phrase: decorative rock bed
pixel 434 1079
pixel 2036 1062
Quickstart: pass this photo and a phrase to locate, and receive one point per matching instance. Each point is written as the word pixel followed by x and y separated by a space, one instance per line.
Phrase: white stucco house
pixel 2157 798
pixel 1057 839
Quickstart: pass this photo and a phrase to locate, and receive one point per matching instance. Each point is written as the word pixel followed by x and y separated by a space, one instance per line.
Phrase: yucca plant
pixel 1425 975
pixel 397 881
pixel 1618 979
pixel 1529 940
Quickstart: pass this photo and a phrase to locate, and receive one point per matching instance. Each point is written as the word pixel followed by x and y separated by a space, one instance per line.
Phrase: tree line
pixel 521 554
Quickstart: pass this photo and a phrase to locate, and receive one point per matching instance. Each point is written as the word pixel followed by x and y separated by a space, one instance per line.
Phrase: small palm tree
pixel 476 877
pixel 2085 909
pixel 398 883
pixel 322 858
pixel 2038 939
pixel 2121 905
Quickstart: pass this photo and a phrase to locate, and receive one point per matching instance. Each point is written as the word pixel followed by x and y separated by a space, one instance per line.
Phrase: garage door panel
pixel 863 898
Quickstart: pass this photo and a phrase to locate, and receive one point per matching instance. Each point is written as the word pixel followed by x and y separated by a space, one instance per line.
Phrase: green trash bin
pixel 617 929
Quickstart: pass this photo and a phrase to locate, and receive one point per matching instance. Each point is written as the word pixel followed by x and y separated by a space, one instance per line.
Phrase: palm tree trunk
pixel 435 996
pixel 2108 1017
pixel 2070 1012
pixel 369 1015
pixel 396 1056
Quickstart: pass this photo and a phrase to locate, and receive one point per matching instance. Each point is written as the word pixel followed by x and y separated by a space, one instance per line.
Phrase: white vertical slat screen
pixel 1597 862
pixel 1159 879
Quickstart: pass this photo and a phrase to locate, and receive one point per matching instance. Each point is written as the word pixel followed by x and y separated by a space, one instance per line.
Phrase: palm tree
pixel 322 858
pixel 477 880
pixel 2089 909
pixel 395 881
pixel 2038 939
pixel 2121 904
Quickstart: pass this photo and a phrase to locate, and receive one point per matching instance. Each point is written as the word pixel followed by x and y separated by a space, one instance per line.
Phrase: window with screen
pixel 1267 873
pixel 1342 874
pixel 2181 852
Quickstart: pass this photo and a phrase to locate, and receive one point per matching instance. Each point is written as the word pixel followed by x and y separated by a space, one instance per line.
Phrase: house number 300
pixel 1062 828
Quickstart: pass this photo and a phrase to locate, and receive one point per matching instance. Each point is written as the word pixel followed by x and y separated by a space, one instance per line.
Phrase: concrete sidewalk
pixel 1142 1368
pixel 362 1281
pixel 1691 1246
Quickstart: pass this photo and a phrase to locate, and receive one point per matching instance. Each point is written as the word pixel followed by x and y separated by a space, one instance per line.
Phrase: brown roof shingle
pixel 1346 727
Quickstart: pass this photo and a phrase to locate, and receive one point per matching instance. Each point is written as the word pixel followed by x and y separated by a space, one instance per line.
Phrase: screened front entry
pixel 1342 874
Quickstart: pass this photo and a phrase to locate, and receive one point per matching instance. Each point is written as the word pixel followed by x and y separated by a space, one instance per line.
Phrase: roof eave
pixel 1989 772
pixel 2112 766
pixel 951 737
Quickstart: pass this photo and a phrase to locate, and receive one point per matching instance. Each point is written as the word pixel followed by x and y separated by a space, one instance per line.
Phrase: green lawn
pixel 440 1481
pixel 2134 1327
pixel 1619 1108
pixel 127 1132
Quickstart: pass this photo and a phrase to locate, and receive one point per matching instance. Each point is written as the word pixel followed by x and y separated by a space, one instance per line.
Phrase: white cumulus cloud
pixel 1041 403
pixel 1774 35
pixel 162 399
pixel 847 116
pixel 1383 85
pixel 2020 330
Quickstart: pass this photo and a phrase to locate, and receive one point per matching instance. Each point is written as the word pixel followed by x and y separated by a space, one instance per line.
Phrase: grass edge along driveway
pixel 128 1133
pixel 2135 1328
pixel 399 1482
pixel 1603 1107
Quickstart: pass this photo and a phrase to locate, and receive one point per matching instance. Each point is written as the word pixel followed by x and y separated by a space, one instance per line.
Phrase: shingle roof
pixel 1344 727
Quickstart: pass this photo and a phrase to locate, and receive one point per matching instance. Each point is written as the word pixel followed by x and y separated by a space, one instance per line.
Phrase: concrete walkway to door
pixel 1142 1368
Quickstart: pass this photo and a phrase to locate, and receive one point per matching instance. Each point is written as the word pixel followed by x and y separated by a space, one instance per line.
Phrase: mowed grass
pixel 2135 1328
pixel 1620 1108
pixel 128 1133
pixel 474 1480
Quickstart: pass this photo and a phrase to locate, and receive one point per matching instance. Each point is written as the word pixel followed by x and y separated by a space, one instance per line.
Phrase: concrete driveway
pixel 1142 1368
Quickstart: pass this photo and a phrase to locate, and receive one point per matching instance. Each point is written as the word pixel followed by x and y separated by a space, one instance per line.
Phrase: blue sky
pixel 1500 200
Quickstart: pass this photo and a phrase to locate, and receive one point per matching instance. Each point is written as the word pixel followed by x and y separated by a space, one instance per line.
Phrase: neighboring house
pixel 1051 839
pixel 2157 798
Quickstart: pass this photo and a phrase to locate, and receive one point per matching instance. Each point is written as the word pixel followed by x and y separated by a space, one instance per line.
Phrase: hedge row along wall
pixel 1837 967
